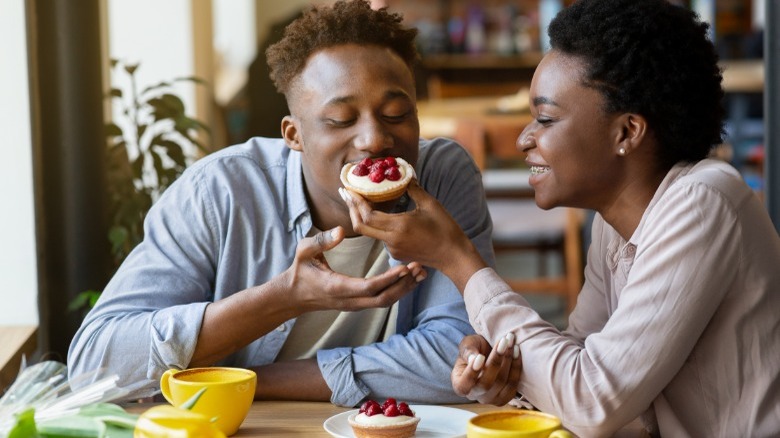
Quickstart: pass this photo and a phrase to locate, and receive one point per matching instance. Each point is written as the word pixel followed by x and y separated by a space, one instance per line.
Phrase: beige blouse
pixel 681 324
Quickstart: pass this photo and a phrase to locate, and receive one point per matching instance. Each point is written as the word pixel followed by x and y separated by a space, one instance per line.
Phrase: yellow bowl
pixel 519 423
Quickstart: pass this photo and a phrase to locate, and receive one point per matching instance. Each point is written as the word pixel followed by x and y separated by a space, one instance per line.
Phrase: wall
pixel 156 34
pixel 18 270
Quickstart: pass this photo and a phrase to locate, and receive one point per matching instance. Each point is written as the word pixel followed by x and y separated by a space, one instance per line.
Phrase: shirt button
pixel 281 328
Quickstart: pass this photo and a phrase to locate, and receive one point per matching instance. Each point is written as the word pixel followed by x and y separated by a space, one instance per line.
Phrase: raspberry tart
pixel 388 420
pixel 377 179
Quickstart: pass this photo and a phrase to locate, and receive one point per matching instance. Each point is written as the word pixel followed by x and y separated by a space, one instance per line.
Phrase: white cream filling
pixel 380 419
pixel 364 182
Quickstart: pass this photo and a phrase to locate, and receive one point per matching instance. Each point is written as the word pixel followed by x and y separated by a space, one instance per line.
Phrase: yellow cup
pixel 518 423
pixel 228 397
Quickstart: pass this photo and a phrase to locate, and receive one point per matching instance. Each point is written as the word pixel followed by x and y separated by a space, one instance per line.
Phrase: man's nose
pixel 373 137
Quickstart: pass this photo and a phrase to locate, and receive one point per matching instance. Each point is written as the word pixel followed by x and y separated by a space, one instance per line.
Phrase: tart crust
pixel 378 194
pixel 403 429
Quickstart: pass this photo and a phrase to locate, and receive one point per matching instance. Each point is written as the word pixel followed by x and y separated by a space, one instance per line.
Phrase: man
pixel 250 259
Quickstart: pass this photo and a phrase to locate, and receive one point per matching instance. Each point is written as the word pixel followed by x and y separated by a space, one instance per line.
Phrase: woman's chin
pixel 543 202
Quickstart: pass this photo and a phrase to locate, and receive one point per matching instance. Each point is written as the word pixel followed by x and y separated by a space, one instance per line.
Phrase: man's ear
pixel 632 131
pixel 291 134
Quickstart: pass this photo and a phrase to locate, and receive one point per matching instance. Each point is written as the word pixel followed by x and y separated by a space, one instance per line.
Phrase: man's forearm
pixel 234 322
pixel 295 380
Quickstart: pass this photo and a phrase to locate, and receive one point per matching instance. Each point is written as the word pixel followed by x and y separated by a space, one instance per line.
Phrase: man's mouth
pixel 538 170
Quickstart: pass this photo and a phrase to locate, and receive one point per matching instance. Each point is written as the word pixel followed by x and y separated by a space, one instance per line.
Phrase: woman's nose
pixel 526 138
pixel 373 137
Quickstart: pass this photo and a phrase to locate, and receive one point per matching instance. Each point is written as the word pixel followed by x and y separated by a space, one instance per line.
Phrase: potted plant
pixel 146 153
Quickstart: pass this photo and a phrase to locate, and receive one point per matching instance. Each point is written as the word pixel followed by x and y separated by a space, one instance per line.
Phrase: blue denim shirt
pixel 232 221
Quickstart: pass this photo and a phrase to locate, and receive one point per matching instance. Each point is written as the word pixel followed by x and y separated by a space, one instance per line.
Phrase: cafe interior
pixel 69 71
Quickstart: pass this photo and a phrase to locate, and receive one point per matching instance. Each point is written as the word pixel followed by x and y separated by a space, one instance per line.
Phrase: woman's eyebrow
pixel 542 100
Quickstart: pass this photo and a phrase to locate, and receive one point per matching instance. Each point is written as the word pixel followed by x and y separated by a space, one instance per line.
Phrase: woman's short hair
pixel 651 58
pixel 345 22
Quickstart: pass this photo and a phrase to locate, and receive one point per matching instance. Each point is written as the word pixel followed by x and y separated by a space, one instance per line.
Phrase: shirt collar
pixel 296 195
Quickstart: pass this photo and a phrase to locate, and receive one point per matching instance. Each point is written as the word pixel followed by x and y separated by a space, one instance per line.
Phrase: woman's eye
pixel 544 121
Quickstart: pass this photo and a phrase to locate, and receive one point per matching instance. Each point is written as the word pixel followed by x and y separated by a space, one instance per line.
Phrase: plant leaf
pixel 110 414
pixel 112 130
pixel 190 403
pixel 194 79
pixel 72 426
pixel 25 425
pixel 138 166
pixel 163 84
pixel 118 236
pixel 87 299
pixel 131 68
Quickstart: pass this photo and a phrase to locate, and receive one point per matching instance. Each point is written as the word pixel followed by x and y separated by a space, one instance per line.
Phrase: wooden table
pixel 305 419
pixel 15 341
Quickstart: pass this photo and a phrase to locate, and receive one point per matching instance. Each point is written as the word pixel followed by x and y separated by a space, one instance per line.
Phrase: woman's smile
pixel 539 170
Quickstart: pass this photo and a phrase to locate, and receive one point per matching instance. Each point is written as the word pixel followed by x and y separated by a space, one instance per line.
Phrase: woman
pixel 677 321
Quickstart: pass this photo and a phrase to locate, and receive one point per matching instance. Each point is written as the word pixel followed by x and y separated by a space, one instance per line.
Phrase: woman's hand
pixel 313 285
pixel 490 381
pixel 427 234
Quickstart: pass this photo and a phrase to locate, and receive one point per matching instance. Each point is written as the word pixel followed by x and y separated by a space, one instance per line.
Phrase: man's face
pixel 350 102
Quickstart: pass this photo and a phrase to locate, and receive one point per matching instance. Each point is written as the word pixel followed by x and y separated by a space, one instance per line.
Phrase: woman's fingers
pixel 490 379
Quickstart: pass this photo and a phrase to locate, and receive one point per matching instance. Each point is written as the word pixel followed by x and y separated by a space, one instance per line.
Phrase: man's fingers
pixel 321 242
pixel 379 291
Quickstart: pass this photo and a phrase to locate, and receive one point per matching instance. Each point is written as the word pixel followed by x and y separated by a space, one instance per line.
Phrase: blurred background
pixel 102 106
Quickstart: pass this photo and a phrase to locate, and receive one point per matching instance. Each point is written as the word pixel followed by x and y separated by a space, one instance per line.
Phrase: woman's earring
pixel 622 151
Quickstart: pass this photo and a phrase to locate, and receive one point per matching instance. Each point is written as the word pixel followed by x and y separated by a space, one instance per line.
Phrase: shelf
pixel 481 61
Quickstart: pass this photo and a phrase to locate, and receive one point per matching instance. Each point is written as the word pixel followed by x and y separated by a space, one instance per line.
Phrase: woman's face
pixel 571 145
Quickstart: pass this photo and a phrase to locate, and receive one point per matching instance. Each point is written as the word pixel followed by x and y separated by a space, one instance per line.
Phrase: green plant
pixel 146 153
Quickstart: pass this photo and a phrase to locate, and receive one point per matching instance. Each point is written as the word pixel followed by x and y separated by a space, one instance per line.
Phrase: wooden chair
pixel 518 223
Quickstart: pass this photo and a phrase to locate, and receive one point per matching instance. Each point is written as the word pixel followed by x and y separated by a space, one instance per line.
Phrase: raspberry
pixel 379 165
pixel 388 402
pixel 360 170
pixel 393 174
pixel 367 161
pixel 391 411
pixel 365 407
pixel 391 161
pixel 373 409
pixel 376 176
pixel 403 408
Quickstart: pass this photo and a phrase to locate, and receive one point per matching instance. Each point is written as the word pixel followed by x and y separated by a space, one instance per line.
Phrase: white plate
pixel 435 421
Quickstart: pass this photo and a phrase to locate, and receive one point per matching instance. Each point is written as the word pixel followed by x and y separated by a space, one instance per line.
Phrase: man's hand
pixel 490 381
pixel 315 286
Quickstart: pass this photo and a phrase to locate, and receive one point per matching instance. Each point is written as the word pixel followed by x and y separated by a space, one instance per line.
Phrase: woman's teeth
pixel 538 170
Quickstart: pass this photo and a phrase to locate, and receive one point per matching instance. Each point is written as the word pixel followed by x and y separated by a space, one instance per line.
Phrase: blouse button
pixel 281 328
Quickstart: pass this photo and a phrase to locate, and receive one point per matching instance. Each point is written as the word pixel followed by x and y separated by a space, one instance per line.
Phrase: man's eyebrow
pixel 393 94
pixel 339 99
pixel 542 100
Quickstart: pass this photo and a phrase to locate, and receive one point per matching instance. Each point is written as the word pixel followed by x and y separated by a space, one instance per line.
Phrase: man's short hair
pixel 345 22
